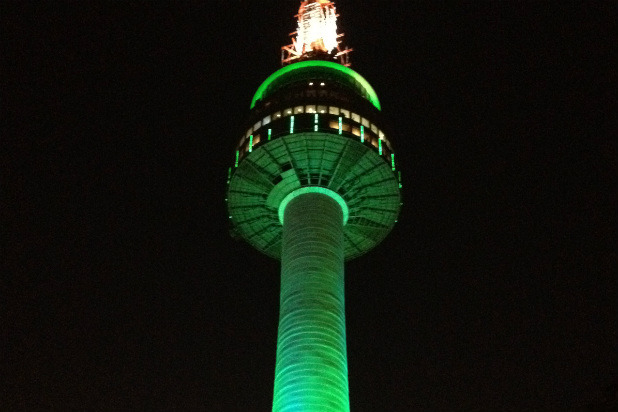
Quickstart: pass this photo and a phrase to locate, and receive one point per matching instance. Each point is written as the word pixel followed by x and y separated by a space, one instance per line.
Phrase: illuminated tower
pixel 314 183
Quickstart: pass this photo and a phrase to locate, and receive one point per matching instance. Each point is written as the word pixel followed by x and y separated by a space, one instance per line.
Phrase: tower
pixel 314 183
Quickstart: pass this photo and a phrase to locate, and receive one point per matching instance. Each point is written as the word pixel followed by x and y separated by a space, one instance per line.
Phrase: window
pixel 356 131
pixel 249 133
pixel 365 122
pixel 345 113
pixel 287 112
pixel 311 108
pixel 266 120
pixel 277 115
pixel 257 125
pixel 374 128
pixel 333 110
pixel 381 134
pixel 321 109
pixel 356 117
pixel 299 109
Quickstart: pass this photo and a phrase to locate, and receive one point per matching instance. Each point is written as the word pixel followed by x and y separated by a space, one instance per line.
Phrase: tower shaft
pixel 311 371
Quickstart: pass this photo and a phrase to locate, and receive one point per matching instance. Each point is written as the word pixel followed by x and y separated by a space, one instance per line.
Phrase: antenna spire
pixel 316 35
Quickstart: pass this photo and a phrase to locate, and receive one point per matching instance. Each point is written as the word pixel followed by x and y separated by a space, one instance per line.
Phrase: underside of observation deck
pixel 348 167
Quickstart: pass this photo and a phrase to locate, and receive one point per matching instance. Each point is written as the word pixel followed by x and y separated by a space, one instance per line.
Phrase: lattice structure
pixel 316 35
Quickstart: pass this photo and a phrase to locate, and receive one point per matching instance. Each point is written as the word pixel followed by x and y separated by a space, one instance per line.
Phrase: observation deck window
pixel 257 125
pixel 322 109
pixel 374 129
pixel 333 110
pixel 287 112
pixel 356 118
pixel 277 115
pixel 311 108
pixel 299 109
pixel 365 122
pixel 266 120
pixel 345 113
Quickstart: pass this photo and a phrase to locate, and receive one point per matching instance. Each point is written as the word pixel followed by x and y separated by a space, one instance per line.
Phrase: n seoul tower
pixel 314 183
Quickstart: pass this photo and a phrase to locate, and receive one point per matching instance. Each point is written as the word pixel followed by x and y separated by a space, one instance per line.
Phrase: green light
pixel 237 154
pixel 340 125
pixel 366 88
pixel 315 123
pixel 229 175
pixel 393 161
pixel 311 372
pixel 270 132
pixel 315 189
pixel 380 146
pixel 399 178
pixel 362 134
pixel 250 143
pixel 291 124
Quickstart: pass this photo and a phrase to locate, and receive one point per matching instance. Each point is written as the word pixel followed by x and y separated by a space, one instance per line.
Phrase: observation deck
pixel 315 125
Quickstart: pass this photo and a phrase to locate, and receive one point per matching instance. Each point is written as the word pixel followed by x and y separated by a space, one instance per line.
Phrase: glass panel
pixel 345 113
pixel 249 132
pixel 256 139
pixel 266 120
pixel 287 112
pixel 374 128
pixel 356 117
pixel 311 108
pixel 257 125
pixel 299 109
pixel 381 134
pixel 333 124
pixel 333 110
pixel 277 115
pixel 321 109
pixel 356 131
pixel 365 122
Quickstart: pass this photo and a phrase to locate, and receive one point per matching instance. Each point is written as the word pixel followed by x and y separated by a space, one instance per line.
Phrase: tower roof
pixel 309 69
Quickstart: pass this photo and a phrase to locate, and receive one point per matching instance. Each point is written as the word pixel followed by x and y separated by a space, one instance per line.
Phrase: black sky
pixel 496 291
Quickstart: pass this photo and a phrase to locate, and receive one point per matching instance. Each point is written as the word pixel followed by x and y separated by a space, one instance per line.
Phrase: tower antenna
pixel 316 36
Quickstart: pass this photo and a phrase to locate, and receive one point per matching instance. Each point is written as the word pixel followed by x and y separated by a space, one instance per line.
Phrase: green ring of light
pixel 314 189
pixel 261 91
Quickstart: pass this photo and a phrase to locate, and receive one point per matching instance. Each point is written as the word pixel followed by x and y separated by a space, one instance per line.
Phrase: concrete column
pixel 311 373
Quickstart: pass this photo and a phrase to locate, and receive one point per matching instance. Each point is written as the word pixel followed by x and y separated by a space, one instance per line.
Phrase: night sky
pixel 496 291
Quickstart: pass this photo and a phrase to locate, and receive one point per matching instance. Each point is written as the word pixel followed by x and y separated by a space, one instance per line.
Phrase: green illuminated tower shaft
pixel 311 373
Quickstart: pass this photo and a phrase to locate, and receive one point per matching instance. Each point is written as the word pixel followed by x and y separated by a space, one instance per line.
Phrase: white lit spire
pixel 316 34
pixel 317 27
